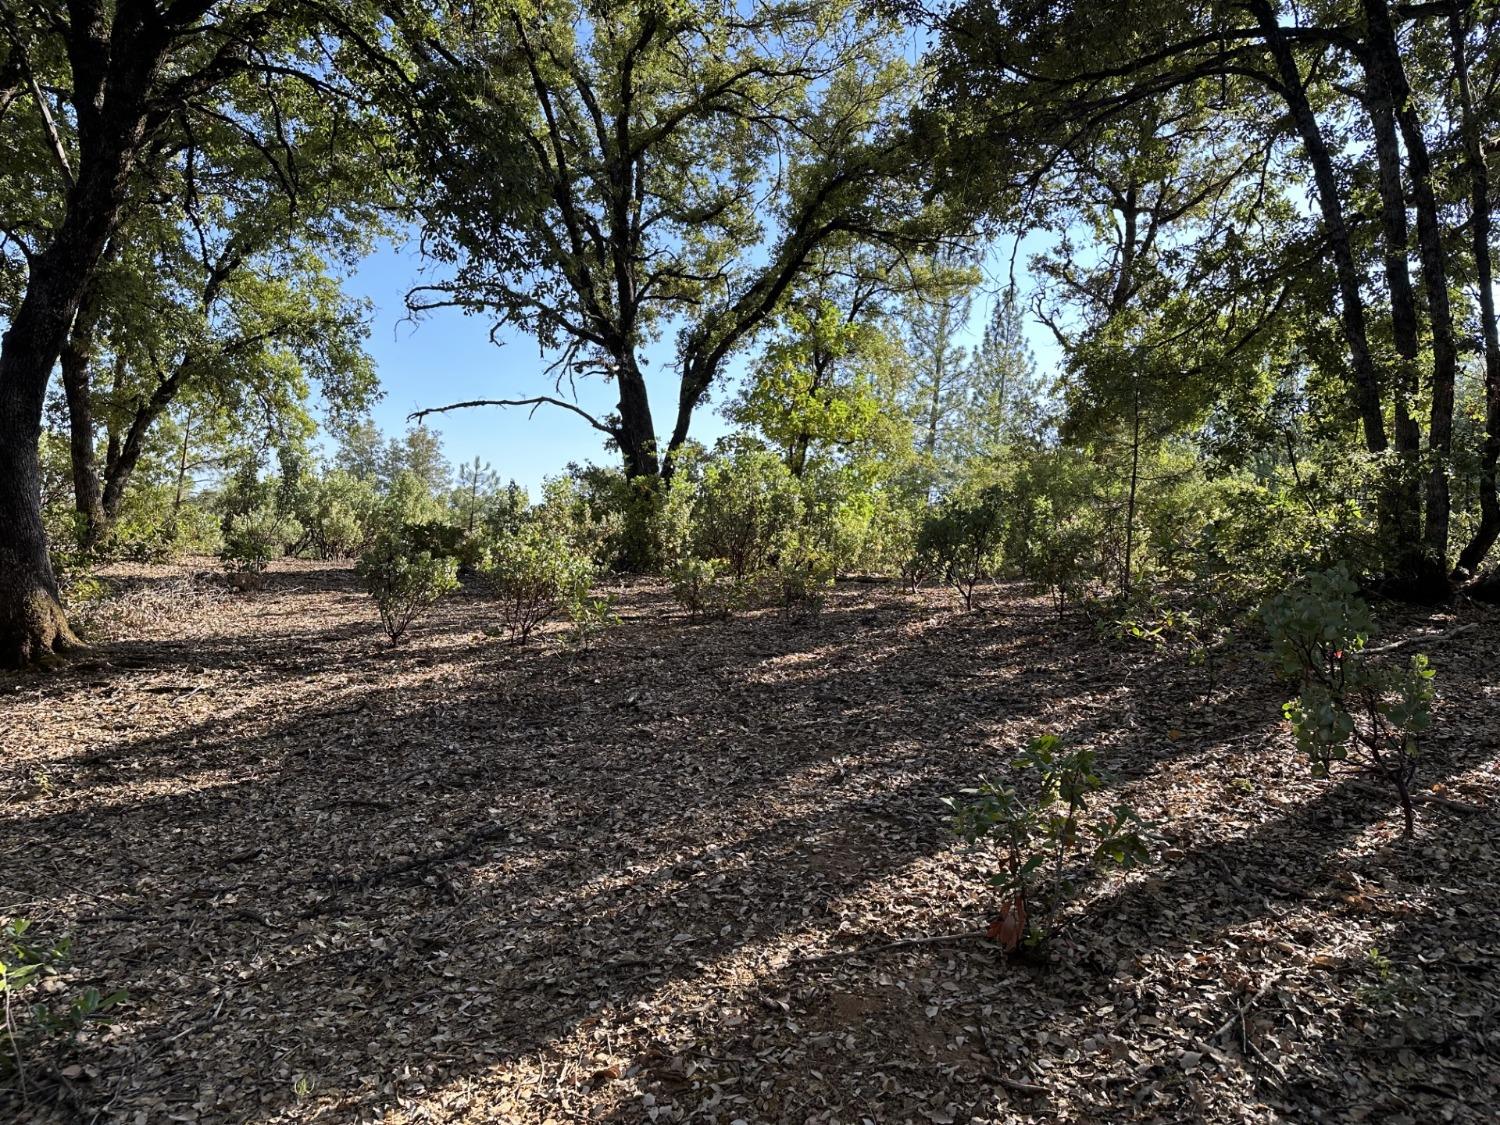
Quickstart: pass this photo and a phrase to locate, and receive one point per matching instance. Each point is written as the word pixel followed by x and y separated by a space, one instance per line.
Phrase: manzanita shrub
pixel 1351 707
pixel 962 540
pixel 402 579
pixel 704 588
pixel 253 538
pixel 805 573
pixel 534 573
pixel 1038 827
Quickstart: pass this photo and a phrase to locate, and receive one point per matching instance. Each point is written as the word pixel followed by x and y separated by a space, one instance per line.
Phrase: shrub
pixel 590 618
pixel 1349 704
pixel 962 540
pixel 36 1020
pixel 335 512
pixel 703 589
pixel 252 539
pixel 403 580
pixel 1039 829
pixel 534 573
pixel 805 575
pixel 746 503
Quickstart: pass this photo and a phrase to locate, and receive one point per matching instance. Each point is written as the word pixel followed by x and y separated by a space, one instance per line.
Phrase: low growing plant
pixel 1038 826
pixel 703 589
pixel 252 539
pixel 590 618
pixel 36 1025
pixel 962 541
pixel 1351 707
pixel 805 574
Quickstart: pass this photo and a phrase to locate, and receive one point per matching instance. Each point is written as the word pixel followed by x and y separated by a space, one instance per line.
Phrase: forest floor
pixel 465 881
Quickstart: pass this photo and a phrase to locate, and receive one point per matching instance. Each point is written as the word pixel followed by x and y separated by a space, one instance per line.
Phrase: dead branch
pixel 539 400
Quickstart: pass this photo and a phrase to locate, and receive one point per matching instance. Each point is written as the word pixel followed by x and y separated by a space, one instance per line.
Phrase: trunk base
pixel 37 634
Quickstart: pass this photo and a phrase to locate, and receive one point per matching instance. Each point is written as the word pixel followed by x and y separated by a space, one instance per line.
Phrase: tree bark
pixel 110 93
pixel 1474 552
pixel 637 430
pixel 76 363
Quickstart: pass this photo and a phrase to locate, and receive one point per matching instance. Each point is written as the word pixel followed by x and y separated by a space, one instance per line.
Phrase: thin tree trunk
pixel 76 363
pixel 1435 285
pixel 1135 476
pixel 1365 384
pixel 1488 530
pixel 182 464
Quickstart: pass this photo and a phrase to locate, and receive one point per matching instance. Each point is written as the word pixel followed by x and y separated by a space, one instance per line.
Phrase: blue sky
pixel 447 357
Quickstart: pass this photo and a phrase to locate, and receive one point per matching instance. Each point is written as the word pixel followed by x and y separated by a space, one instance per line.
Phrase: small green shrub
pixel 253 538
pixel 36 1023
pixel 746 503
pixel 1039 827
pixel 534 573
pixel 1350 706
pixel 403 580
pixel 591 618
pixel 962 539
pixel 702 587
pixel 805 575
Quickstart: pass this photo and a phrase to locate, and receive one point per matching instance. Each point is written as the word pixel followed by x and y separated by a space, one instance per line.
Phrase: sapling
pixel 403 581
pixel 1350 707
pixel 1038 827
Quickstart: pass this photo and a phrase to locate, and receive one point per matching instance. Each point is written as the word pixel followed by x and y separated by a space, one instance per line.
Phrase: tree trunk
pixel 1365 385
pixel 637 433
pixel 1398 498
pixel 1405 327
pixel 1488 530
pixel 76 363
pixel 1435 285
pixel 32 623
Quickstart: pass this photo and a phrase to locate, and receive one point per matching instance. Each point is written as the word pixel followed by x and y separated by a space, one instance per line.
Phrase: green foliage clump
pixel 253 538
pixel 703 588
pixel 963 540
pixel 1039 827
pixel 591 618
pixel 805 574
pixel 402 578
pixel 36 1022
pixel 534 574
pixel 1350 705
pixel 746 503
pixel 335 511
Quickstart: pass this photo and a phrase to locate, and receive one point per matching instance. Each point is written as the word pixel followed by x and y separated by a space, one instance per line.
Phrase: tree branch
pixel 539 400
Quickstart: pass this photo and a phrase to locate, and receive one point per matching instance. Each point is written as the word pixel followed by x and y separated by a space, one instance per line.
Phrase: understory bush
pixel 403 579
pixel 702 587
pixel 1351 707
pixel 534 574
pixel 962 539
pixel 1038 827
pixel 805 574
pixel 253 538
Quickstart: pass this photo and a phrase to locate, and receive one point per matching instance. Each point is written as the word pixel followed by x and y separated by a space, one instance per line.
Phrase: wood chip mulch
pixel 465 881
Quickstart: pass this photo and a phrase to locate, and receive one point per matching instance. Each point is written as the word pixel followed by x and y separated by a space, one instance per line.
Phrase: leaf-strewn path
pixel 464 881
